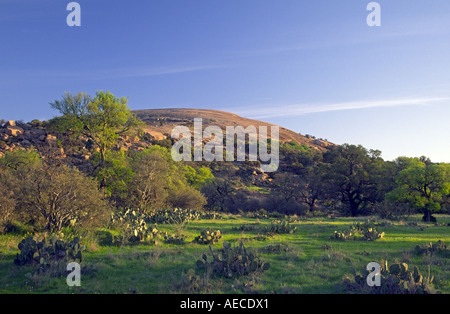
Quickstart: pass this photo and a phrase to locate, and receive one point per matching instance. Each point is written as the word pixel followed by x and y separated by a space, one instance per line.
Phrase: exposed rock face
pixel 162 121
pixel 14 130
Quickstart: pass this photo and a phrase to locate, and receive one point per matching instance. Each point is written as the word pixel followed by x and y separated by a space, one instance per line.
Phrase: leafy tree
pixel 350 176
pixel 424 186
pixel 288 185
pixel 198 177
pixel 297 158
pixel 20 158
pixel 115 175
pixel 158 181
pixel 148 189
pixel 220 194
pixel 101 119
pixel 312 187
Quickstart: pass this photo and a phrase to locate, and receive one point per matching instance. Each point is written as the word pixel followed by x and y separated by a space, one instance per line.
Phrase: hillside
pixel 160 122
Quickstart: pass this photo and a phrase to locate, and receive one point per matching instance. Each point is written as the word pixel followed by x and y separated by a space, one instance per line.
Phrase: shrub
pixel 60 196
pixel 188 197
pixel 51 195
pixel 392 210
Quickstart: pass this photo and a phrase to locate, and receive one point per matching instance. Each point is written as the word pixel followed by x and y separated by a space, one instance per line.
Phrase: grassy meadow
pixel 307 261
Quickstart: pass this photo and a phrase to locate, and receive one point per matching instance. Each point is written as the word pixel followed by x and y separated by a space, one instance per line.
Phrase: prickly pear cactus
pixel 431 248
pixel 397 278
pixel 233 261
pixel 209 236
pixel 342 235
pixel 280 227
pixel 178 239
pixel 34 252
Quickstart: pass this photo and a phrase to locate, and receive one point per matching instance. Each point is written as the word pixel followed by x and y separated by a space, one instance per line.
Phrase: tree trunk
pixel 426 215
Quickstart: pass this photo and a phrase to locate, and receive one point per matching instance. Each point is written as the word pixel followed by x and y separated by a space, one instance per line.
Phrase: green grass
pixel 314 263
pixel 257 189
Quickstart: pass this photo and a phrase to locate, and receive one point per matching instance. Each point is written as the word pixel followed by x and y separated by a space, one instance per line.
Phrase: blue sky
pixel 315 67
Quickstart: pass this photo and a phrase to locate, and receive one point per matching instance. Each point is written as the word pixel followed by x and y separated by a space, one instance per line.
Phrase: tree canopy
pixel 102 119
pixel 423 186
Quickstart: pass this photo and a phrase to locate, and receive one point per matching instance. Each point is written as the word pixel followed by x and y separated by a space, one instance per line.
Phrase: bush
pixel 392 210
pixel 187 198
pixel 58 196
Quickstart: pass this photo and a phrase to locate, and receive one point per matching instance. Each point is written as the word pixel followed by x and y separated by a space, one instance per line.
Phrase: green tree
pixel 220 194
pixel 350 176
pixel 424 186
pixel 20 158
pixel 116 173
pixel 158 181
pixel 101 119
pixel 198 177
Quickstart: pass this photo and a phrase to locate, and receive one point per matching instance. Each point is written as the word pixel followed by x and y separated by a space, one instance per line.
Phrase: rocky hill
pixel 160 123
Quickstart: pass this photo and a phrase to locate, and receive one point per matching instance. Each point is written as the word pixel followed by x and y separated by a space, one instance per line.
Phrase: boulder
pixel 51 139
pixel 14 130
pixel 4 137
pixel 38 132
